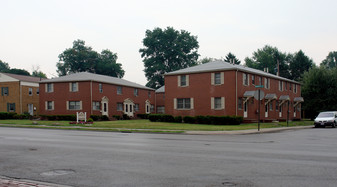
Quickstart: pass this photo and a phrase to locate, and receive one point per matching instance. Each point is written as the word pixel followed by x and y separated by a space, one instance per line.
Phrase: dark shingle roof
pixel 224 66
pixel 25 78
pixel 85 76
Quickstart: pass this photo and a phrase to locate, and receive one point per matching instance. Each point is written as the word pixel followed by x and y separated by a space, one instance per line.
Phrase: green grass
pixel 147 126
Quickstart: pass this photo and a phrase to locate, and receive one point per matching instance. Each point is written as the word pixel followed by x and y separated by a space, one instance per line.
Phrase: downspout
pixel 20 97
pixel 236 92
pixel 155 102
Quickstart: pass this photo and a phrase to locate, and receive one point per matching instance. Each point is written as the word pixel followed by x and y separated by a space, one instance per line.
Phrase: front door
pixel 266 111
pixel 105 106
pixel 129 107
pixel 31 109
pixel 280 114
pixel 245 110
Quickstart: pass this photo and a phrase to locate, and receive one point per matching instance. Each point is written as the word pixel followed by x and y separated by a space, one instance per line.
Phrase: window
pixel 280 85
pixel 49 105
pixel 149 94
pixel 10 107
pixel 152 109
pixel 245 79
pixel 260 81
pixel 240 103
pixel 37 91
pixel 4 91
pixel 286 86
pixel 73 86
pixel 49 87
pixel 135 91
pixel 184 103
pixel 183 80
pixel 217 78
pixel 271 105
pixel 74 105
pixel 119 106
pixel 295 88
pixel 277 105
pixel 30 91
pixel 96 105
pixel 160 109
pixel 100 88
pixel 217 103
pixel 253 79
pixel 119 90
pixel 136 107
pixel 266 83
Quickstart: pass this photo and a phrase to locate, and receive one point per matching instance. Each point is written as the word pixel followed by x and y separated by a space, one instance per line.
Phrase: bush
pixel 90 120
pixel 178 119
pixel 143 116
pixel 202 120
pixel 104 118
pixel 21 116
pixel 126 117
pixel 95 117
pixel 7 115
pixel 189 119
pixel 117 117
pixel 161 118
pixel 59 117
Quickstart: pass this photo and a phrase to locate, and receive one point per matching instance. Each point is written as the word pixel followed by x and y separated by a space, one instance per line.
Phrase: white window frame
pixel 253 79
pixel 295 88
pixel 49 87
pixel 73 87
pixel 245 79
pixel 119 90
pixel 51 105
pixel 135 92
pixel 30 91
pixel 217 106
pixel 95 106
pixel 187 80
pixel 184 104
pixel 267 83
pixel 280 85
pixel 77 104
pixel 100 88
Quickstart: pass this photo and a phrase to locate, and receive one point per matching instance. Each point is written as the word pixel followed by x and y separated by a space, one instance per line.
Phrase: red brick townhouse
pixel 220 88
pixel 94 94
pixel 19 93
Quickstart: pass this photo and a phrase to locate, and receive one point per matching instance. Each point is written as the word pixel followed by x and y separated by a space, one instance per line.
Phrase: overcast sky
pixel 35 32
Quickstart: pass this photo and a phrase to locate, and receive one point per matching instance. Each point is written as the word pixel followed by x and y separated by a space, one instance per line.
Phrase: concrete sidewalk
pixel 250 131
pixel 10 182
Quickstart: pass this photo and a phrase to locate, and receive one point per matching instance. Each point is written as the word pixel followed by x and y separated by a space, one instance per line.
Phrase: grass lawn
pixel 157 126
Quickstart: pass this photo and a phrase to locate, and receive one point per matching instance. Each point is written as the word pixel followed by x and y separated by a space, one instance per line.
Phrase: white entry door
pixel 31 109
pixel 245 110
pixel 266 111
pixel 105 106
pixel 280 114
pixel 129 107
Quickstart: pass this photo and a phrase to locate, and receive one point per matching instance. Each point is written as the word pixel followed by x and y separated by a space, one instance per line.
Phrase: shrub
pixel 126 117
pixel 202 120
pixel 21 116
pixel 143 116
pixel 189 119
pixel 178 119
pixel 154 117
pixel 117 117
pixel 95 117
pixel 7 115
pixel 90 120
pixel 161 118
pixel 104 118
pixel 59 117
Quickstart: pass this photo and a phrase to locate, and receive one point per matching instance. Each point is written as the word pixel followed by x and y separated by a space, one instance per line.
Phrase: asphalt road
pixel 306 157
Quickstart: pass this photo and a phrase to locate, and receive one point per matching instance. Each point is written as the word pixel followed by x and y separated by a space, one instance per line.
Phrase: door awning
pixel 269 98
pixel 298 100
pixel 248 95
pixel 284 98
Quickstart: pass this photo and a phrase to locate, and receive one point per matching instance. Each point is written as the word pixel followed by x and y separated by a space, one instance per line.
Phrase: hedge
pixel 59 117
pixel 7 115
pixel 100 118
pixel 213 120
pixel 143 116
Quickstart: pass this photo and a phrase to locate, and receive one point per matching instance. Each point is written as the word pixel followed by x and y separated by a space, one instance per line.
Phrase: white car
pixel 326 119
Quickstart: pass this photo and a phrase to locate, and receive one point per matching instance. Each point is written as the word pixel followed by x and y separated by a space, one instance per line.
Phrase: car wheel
pixel 334 125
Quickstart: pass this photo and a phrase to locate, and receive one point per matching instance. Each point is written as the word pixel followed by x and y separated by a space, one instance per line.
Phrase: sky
pixel 33 33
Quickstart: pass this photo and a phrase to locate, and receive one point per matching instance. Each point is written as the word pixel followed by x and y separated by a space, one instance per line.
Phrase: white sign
pixel 81 116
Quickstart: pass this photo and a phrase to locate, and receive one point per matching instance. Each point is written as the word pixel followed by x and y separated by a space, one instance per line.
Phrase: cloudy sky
pixel 35 32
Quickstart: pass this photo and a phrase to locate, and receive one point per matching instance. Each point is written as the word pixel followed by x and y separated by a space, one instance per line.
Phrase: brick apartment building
pixel 19 94
pixel 220 88
pixel 94 94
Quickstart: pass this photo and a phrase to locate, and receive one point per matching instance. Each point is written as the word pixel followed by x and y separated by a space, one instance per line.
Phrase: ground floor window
pixel 74 105
pixel 50 105
pixel 184 103
pixel 240 103
pixel 136 107
pixel 161 109
pixel 119 106
pixel 96 105
pixel 10 107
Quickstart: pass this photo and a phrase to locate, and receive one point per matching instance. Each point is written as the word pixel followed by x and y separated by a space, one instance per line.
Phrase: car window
pixel 325 115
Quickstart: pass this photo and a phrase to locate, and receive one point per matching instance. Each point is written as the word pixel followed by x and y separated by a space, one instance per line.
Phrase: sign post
pixel 259 95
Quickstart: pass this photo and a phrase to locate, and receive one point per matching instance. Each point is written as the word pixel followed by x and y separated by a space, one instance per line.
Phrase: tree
pixel 18 71
pixel 299 64
pixel 37 73
pixel 165 51
pixel 269 57
pixel 331 60
pixel 4 66
pixel 319 87
pixel 230 58
pixel 205 60
pixel 81 58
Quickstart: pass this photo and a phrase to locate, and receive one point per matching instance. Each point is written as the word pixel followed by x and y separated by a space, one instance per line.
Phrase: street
pixel 306 157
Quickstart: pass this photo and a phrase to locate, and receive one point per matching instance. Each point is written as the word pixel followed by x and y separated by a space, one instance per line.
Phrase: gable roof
pixel 86 76
pixel 161 89
pixel 225 66
pixel 25 78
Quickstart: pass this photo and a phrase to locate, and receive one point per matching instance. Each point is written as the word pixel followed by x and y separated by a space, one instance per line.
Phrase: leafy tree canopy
pixel 81 58
pixel 205 60
pixel 18 71
pixel 319 87
pixel 231 58
pixel 4 66
pixel 165 51
pixel 331 60
pixel 267 57
pixel 299 64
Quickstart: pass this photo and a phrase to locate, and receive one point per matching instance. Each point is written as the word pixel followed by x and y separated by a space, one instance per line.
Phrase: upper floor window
pixel 183 80
pixel 253 79
pixel 245 79
pixel 280 85
pixel 295 88
pixel 266 83
pixel 135 91
pixel 149 94
pixel 290 85
pixel 119 90
pixel 30 91
pixel 4 91
pixel 73 86
pixel 37 91
pixel 285 86
pixel 260 81
pixel 217 78
pixel 100 88
pixel 49 87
